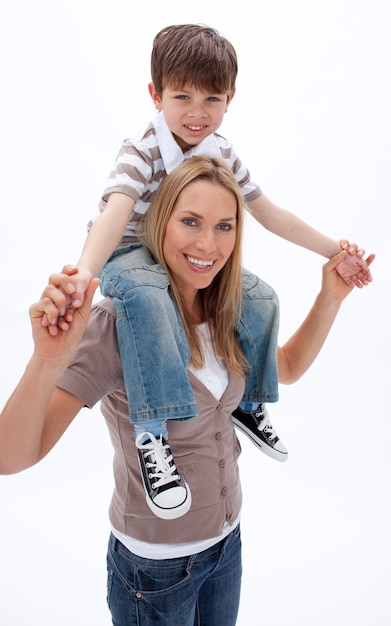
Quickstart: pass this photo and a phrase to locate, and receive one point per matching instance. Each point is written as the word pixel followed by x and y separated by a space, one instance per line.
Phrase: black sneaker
pixel 257 426
pixel 167 494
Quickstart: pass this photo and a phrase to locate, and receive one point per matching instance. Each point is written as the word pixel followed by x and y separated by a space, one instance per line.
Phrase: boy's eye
pixel 181 97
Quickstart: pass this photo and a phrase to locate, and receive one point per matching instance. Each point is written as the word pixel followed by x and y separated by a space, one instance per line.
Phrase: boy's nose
pixel 197 110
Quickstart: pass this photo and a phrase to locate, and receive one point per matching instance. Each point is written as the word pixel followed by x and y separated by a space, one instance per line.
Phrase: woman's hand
pixel 353 268
pixel 62 339
pixel 333 280
pixel 38 412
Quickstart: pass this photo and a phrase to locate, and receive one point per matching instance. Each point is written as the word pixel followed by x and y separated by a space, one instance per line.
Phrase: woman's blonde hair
pixel 222 299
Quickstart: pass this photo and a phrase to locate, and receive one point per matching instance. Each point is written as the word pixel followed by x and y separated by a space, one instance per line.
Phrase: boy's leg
pixel 258 337
pixel 154 356
pixel 152 342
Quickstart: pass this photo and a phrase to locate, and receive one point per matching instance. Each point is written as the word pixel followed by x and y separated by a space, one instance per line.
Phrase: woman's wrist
pixel 328 302
pixel 49 369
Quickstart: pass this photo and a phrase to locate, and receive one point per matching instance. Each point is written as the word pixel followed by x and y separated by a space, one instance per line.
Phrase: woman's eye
pixel 189 221
pixel 225 227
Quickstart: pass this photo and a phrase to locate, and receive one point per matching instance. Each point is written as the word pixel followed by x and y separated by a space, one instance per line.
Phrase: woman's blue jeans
pixel 198 590
pixel 152 342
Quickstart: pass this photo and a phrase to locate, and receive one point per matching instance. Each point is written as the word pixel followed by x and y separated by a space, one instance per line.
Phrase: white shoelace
pixel 159 460
pixel 267 427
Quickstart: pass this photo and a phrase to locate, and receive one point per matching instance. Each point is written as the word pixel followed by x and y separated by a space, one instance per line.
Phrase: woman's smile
pixel 199 264
pixel 200 235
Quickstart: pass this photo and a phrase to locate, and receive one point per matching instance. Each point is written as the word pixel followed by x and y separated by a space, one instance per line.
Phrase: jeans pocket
pixel 110 578
pixel 145 577
pixel 158 580
pixel 141 591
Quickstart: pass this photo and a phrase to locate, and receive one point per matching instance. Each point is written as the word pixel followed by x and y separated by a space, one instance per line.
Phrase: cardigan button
pixel 218 435
pixel 222 463
pixel 224 491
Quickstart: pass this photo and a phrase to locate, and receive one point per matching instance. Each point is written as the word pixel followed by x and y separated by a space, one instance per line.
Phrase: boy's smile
pixel 191 114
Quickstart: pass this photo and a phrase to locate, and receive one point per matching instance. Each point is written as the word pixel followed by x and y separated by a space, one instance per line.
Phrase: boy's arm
pixel 353 269
pixel 106 232
pixel 103 237
pixel 290 227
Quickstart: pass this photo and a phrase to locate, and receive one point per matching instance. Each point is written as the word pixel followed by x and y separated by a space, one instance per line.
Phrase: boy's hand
pixel 72 283
pixel 77 284
pixel 353 268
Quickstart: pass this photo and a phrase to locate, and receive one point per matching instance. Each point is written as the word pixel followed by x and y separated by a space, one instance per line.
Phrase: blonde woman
pixel 187 571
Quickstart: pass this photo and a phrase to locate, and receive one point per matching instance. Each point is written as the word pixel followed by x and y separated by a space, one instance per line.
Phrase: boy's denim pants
pixel 152 342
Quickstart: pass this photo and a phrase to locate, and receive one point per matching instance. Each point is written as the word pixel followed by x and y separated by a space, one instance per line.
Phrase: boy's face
pixel 191 114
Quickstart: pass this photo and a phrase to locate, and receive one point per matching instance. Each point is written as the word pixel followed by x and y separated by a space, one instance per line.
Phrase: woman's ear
pixel 155 96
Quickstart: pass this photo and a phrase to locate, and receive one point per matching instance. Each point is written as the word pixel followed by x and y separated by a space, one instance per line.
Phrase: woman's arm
pixel 300 351
pixel 38 413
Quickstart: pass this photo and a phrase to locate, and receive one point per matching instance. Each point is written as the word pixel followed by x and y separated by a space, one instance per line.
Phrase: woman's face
pixel 200 236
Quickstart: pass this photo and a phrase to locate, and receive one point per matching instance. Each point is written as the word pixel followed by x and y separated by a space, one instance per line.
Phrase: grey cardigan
pixel 205 447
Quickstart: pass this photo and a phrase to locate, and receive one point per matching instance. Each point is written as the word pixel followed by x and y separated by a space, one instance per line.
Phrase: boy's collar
pixel 172 154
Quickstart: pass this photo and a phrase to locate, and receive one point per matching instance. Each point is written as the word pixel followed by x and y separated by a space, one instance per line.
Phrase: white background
pixel 311 119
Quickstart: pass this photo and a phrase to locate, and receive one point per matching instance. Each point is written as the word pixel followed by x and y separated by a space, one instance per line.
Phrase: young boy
pixel 193 72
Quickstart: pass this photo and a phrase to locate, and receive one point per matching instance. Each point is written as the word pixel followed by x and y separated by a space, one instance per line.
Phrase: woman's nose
pixel 206 241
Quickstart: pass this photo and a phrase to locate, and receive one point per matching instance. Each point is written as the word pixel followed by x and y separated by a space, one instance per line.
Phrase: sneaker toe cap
pixel 170 498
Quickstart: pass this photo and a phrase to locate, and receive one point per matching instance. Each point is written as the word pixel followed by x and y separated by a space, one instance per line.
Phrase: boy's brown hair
pixel 195 54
